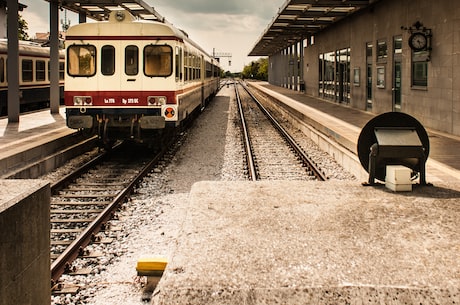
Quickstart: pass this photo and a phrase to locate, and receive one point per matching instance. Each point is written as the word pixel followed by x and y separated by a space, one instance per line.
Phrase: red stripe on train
pixel 154 38
pixel 119 99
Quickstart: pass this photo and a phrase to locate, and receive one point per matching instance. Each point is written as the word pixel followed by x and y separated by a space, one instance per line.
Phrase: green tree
pixel 22 29
pixel 262 72
pixel 257 69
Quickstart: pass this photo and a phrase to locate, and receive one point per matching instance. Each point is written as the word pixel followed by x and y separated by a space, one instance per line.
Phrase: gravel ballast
pixel 151 222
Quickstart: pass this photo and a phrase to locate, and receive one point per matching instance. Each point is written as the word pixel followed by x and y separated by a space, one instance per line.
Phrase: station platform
pixel 30 138
pixel 30 126
pixel 343 125
pixel 310 242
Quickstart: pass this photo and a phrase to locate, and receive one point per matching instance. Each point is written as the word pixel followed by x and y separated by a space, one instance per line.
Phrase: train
pixel 34 76
pixel 134 79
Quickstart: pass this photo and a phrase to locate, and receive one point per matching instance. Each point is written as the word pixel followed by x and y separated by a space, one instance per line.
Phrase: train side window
pixel 81 60
pixel 186 59
pixel 131 60
pixel 178 63
pixel 27 70
pixel 158 60
pixel 40 72
pixel 61 70
pixel 2 70
pixel 108 60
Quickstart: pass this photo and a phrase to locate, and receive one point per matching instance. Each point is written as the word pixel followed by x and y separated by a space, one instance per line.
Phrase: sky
pixel 226 26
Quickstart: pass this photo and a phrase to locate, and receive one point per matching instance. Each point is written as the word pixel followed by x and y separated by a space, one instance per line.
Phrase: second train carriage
pixel 34 76
pixel 129 78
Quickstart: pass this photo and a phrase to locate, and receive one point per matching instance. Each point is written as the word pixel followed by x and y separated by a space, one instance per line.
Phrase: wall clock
pixel 418 41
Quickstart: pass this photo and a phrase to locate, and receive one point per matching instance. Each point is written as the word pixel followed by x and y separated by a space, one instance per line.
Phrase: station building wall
pixel 347 63
pixel 3 30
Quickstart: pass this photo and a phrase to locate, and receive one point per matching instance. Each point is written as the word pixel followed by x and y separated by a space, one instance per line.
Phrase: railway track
pixel 272 153
pixel 84 201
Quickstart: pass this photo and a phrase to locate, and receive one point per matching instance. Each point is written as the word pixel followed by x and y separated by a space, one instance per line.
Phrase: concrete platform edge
pixel 312 242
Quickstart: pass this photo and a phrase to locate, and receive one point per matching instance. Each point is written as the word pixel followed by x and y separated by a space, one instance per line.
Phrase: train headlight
pixel 156 100
pixel 162 100
pixel 82 100
pixel 120 16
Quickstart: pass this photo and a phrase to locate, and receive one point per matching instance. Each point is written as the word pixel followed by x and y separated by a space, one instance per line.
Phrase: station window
pixel 382 51
pixel 369 78
pixel 158 60
pixel 420 68
pixel 131 60
pixel 2 70
pixel 108 60
pixel 40 72
pixel 397 45
pixel 27 70
pixel 81 60
pixel 420 74
pixel 329 75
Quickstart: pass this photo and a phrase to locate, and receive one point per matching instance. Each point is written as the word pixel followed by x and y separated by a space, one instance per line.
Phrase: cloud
pixel 36 22
pixel 227 25
pixel 234 7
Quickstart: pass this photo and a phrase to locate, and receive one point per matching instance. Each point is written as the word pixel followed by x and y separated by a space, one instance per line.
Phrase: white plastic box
pixel 398 178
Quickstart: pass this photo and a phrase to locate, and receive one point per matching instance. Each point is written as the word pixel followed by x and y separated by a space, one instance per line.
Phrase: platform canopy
pixel 100 9
pixel 301 19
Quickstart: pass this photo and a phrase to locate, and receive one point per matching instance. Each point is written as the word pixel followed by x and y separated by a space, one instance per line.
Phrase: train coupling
pixel 80 122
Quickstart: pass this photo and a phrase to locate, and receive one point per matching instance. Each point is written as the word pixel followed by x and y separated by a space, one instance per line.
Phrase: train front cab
pixel 120 102
pixel 126 87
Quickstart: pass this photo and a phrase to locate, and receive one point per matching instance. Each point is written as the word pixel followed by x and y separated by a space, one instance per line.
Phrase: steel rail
pixel 253 173
pixel 63 261
pixel 306 160
pixel 56 186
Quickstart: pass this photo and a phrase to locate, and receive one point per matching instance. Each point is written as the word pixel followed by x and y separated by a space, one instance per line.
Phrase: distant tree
pixel 262 72
pixel 257 69
pixel 22 29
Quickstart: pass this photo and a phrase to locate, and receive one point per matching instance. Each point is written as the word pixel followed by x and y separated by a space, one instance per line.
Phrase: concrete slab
pixel 38 144
pixel 310 242
pixel 25 242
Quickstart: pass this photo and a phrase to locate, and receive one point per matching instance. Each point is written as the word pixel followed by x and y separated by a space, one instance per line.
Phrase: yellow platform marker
pixel 152 268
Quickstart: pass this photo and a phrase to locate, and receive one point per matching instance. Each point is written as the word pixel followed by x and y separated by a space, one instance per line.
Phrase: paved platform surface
pixel 30 129
pixel 32 138
pixel 331 242
pixel 315 243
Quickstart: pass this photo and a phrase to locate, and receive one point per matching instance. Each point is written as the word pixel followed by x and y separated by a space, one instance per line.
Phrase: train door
pixel 131 81
pixel 109 81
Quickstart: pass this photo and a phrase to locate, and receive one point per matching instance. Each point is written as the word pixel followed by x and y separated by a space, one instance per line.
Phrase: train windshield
pixel 81 60
pixel 158 60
